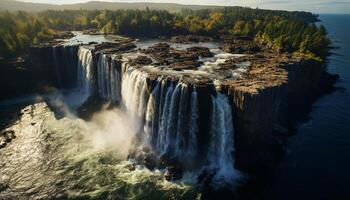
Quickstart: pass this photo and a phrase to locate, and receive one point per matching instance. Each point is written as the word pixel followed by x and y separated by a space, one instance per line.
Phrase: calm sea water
pixel 317 165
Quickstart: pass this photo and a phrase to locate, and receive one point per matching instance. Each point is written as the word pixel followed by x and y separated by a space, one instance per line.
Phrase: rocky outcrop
pixel 116 47
pixel 277 92
pixel 266 97
pixel 268 91
pixel 6 137
pixel 240 45
pixel 190 39
pixel 40 66
pixel 176 59
pixel 200 51
pixel 141 60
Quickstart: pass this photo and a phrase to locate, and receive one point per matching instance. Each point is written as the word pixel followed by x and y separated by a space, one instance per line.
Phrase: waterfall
pixel 170 136
pixel 135 95
pixel 182 128
pixel 172 120
pixel 193 126
pixel 108 79
pixel 152 116
pixel 221 144
pixel 162 135
pixel 166 113
pixel 102 67
pixel 85 70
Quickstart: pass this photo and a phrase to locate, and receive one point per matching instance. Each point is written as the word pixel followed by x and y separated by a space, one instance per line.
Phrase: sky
pixel 315 6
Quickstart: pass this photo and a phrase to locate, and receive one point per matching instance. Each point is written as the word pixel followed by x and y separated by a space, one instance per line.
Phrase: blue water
pixel 317 165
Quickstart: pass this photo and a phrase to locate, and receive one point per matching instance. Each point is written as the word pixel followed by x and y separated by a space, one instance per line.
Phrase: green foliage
pixel 281 30
pixel 19 30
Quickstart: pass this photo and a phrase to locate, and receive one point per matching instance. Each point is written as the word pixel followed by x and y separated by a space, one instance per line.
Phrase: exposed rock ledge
pixel 267 97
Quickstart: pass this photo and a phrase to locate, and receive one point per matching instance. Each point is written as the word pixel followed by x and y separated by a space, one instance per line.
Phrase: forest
pixel 293 32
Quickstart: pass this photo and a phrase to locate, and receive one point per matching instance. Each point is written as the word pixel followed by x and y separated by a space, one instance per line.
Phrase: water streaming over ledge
pixel 69 158
pixel 85 70
pixel 166 115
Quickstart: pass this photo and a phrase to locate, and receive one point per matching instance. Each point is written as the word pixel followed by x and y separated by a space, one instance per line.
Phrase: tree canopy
pixel 293 32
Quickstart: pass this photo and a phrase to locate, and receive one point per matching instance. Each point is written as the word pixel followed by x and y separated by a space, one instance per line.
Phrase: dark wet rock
pixel 159 47
pixel 182 55
pixel 205 177
pixel 144 156
pixel 178 66
pixel 200 51
pixel 240 46
pixel 159 52
pixel 92 105
pixel 228 64
pixel 174 172
pixel 111 47
pixel 174 169
pixel 141 60
pixel 6 137
pixel 175 58
pixel 234 62
pixel 126 46
pixel 90 43
pixel 3 187
pixel 124 39
pixel 190 39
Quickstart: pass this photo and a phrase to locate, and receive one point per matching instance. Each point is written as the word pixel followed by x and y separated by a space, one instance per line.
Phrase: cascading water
pixel 135 95
pixel 109 79
pixel 193 126
pixel 221 144
pixel 163 124
pixel 167 115
pixel 85 70
pixel 172 120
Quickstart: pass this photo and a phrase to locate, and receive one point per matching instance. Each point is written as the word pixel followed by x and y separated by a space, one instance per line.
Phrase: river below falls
pixel 70 158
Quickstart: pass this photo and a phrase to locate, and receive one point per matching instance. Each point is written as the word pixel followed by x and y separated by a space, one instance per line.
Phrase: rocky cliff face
pixel 269 102
pixel 268 93
pixel 39 67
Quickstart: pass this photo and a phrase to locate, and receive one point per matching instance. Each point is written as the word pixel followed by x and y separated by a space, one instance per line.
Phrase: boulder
pixel 6 137
pixel 174 169
pixel 182 55
pixel 240 46
pixel 200 51
pixel 141 60
pixel 159 47
pixel 190 64
pixel 115 47
pixel 190 39
pixel 173 173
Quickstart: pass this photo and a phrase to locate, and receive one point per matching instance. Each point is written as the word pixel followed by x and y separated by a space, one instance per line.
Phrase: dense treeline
pixel 19 30
pixel 286 31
